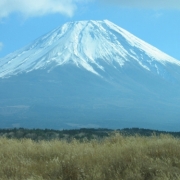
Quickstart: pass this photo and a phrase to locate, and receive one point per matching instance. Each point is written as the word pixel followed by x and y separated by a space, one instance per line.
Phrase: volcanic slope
pixel 89 74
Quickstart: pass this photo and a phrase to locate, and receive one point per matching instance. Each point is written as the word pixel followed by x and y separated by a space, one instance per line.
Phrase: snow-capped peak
pixel 85 44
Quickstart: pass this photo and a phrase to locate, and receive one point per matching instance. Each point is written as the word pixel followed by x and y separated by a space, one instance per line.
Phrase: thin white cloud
pixel 157 15
pixel 31 8
pixel 1 46
pixel 162 4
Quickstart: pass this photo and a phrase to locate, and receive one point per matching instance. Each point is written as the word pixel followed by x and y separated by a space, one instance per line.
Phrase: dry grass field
pixel 114 158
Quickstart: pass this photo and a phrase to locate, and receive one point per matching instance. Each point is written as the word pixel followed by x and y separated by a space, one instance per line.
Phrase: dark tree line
pixel 79 134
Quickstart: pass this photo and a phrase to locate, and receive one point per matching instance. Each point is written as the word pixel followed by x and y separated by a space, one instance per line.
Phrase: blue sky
pixel 155 21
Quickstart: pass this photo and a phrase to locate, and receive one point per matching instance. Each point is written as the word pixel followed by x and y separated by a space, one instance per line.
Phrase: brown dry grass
pixel 115 158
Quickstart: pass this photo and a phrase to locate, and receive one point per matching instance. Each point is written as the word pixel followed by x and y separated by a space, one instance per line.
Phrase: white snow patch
pixel 87 44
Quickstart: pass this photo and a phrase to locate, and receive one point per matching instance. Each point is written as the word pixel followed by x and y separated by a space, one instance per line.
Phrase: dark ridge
pixel 78 134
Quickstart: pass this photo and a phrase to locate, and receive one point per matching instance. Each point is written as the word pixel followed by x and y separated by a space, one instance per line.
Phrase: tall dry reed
pixel 115 158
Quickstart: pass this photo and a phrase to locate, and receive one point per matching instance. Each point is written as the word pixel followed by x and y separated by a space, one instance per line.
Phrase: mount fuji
pixel 89 74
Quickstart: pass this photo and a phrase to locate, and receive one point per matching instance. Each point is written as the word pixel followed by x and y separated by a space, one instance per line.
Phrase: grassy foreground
pixel 115 158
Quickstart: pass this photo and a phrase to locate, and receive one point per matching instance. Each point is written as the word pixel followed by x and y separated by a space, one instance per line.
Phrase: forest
pixel 78 134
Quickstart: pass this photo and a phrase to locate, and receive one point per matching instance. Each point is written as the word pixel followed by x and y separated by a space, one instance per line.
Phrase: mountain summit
pixel 89 74
pixel 86 44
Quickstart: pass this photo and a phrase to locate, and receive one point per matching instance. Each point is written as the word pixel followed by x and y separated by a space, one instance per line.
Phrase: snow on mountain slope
pixel 86 44
pixel 89 72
